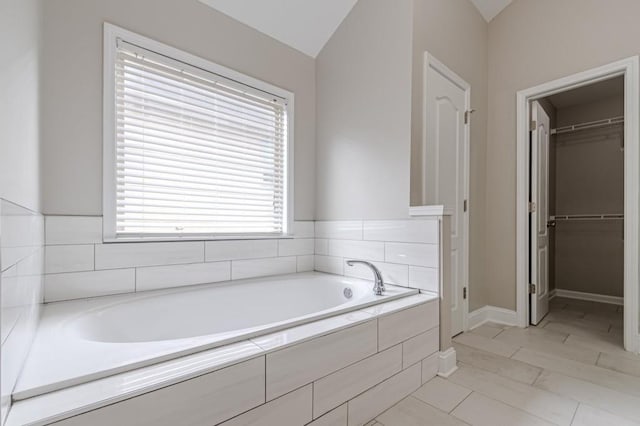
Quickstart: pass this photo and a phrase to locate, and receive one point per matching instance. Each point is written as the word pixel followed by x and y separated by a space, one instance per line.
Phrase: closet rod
pixel 588 217
pixel 588 125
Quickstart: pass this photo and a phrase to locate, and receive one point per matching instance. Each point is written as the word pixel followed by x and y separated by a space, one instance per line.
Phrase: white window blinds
pixel 196 153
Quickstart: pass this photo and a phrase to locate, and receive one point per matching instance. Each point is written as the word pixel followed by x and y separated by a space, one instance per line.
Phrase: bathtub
pixel 85 340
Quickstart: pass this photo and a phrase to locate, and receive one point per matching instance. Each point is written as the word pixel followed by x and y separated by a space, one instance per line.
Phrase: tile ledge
pixel 418 211
pixel 64 403
pixel 394 306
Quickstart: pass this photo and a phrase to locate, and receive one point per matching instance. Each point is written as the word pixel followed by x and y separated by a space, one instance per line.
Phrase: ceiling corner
pixel 489 9
pixel 305 25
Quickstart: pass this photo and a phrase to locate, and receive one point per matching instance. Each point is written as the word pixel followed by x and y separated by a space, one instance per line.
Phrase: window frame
pixel 109 186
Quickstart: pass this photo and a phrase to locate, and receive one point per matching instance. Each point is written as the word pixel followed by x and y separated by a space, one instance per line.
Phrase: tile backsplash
pixel 405 251
pixel 79 265
pixel 21 266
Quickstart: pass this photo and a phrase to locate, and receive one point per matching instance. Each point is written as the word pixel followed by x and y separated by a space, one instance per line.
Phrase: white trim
pixel 629 68
pixel 579 295
pixel 492 314
pixel 447 363
pixel 111 35
pixel 431 62
pixel 417 211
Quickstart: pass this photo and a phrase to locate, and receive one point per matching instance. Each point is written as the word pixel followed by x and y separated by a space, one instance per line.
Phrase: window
pixel 192 150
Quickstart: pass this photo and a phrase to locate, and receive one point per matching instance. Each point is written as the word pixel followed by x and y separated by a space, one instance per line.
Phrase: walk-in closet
pixel 585 220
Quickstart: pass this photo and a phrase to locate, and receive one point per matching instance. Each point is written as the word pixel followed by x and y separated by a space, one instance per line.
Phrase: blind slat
pixel 230 121
pixel 195 154
pixel 156 137
pixel 141 156
pixel 177 73
pixel 175 183
pixel 142 111
pixel 181 91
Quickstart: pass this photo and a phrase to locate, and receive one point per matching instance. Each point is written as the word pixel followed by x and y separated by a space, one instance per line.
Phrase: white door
pixel 446 164
pixel 539 219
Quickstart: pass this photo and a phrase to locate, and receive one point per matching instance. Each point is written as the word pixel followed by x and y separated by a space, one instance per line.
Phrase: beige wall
pixel 608 107
pixel 364 114
pixel 369 92
pixel 72 102
pixel 455 33
pixel 531 42
pixel 20 50
pixel 590 180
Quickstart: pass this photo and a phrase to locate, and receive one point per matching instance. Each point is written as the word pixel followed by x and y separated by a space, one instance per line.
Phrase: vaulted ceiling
pixel 307 25
pixel 489 9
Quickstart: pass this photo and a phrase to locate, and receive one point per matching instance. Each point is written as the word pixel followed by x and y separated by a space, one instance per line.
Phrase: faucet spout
pixel 378 287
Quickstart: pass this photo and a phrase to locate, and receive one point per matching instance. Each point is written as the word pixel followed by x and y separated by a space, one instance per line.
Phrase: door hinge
pixel 532 207
pixel 464 293
pixel 533 125
pixel 464 205
pixel 532 288
pixel 467 115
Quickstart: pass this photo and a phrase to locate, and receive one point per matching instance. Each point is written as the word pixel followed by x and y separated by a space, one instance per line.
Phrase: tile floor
pixel 569 370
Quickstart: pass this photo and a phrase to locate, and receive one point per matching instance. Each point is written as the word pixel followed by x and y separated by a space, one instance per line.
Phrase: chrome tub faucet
pixel 378 287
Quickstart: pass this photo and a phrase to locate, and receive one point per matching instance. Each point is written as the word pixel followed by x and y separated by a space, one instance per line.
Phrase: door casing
pixel 630 69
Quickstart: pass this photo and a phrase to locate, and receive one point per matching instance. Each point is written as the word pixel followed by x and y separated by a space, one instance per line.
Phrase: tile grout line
pixel 573 418
pixel 509 405
pixel 542 370
pixel 499 333
pixel 459 403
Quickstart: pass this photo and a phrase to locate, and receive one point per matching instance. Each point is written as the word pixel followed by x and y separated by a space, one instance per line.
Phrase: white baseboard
pixel 492 314
pixel 447 363
pixel 570 294
pixel 634 347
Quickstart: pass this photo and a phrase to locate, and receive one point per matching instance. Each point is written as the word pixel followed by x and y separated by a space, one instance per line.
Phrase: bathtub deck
pixel 408 327
pixel 79 358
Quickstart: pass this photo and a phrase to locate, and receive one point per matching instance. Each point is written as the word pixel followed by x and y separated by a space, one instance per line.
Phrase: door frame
pixel 431 62
pixel 630 69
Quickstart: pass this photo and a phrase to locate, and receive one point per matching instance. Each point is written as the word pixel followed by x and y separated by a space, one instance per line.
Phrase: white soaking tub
pixel 84 340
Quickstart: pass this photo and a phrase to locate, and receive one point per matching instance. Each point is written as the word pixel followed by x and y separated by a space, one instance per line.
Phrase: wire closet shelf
pixel 590 217
pixel 588 125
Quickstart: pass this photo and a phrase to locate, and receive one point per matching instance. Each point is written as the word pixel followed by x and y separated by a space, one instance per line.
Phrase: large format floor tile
pixel 479 410
pixel 547 342
pixel 571 370
pixel 413 412
pixel 620 363
pixel 546 405
pixel 589 373
pixel 442 394
pixel 589 393
pixel 589 416
pixel 493 346
pixel 487 330
pixel 515 370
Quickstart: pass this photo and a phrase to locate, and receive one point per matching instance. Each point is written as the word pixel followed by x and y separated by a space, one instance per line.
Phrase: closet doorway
pixel 578 171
